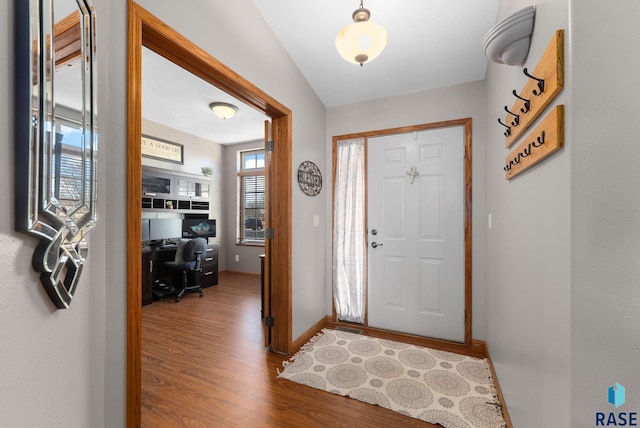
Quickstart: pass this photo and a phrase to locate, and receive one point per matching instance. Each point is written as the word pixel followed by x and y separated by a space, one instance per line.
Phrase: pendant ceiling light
pixel 363 40
pixel 223 110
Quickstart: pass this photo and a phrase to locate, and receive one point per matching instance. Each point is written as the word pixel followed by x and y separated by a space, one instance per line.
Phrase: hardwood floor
pixel 203 365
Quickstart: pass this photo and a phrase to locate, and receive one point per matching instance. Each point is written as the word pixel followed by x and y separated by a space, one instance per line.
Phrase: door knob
pixel 376 245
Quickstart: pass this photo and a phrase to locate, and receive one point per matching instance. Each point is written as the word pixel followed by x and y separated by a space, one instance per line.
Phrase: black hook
pixel 516 120
pixel 540 83
pixel 527 103
pixel 540 140
pixel 508 131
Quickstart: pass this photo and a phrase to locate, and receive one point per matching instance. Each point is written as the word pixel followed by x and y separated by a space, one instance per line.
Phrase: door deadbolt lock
pixel 374 232
pixel 376 245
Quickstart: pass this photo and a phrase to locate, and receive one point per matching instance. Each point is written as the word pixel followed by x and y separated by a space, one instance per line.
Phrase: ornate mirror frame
pixel 56 137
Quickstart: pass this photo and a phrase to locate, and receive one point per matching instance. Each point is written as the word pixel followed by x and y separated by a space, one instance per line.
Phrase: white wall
pixel 528 248
pixel 54 362
pixel 605 206
pixel 225 29
pixel 197 152
pixel 454 102
pixel 67 368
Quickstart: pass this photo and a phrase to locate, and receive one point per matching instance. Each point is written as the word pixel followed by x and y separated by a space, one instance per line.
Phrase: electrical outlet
pixel 237 257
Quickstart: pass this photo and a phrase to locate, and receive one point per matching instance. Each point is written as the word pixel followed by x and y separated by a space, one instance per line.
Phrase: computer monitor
pixel 161 229
pixel 145 229
pixel 194 228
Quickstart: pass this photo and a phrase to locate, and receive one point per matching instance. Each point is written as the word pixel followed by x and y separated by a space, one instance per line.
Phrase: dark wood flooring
pixel 203 366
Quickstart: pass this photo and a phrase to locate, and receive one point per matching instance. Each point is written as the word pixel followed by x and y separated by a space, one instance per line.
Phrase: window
pixel 69 165
pixel 251 192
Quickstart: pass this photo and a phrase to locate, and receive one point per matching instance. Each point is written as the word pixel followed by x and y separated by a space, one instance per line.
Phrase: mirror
pixel 56 137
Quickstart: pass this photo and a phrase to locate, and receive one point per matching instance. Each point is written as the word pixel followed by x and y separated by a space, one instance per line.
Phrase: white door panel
pixel 416 276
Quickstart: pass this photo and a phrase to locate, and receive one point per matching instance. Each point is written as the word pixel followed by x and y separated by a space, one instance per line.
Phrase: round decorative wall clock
pixel 309 178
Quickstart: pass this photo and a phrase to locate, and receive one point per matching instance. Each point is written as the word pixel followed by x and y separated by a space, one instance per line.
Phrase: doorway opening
pixel 148 31
pixel 370 242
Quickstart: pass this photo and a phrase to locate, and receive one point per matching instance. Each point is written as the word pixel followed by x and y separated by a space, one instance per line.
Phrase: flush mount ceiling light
pixel 363 40
pixel 223 110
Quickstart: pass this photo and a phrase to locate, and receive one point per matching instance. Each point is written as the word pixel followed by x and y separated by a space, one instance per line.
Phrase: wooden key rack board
pixel 542 87
pixel 546 139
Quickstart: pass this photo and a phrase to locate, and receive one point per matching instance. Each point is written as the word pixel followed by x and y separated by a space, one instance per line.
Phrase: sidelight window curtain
pixel 348 231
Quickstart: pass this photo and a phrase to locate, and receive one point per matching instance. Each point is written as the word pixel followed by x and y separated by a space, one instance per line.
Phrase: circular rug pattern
pixel 370 396
pixel 346 376
pixel 443 418
pixel 409 393
pixel 475 371
pixel 416 359
pixel 331 354
pixel 364 348
pixel 384 367
pixel 435 386
pixel 447 383
pixel 447 356
pixel 346 335
pixel 393 345
pixel 300 364
pixel 310 379
pixel 481 414
pixel 325 339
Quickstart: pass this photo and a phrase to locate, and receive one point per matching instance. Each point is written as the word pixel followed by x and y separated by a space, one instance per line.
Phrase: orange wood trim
pixel 468 180
pixel 145 29
pixel 307 335
pixel 67 37
pixel 404 129
pixel 334 169
pixel 474 349
pixel 468 229
pixel 281 262
pixel 134 213
pixel 165 41
pixel 266 268
pixel 505 412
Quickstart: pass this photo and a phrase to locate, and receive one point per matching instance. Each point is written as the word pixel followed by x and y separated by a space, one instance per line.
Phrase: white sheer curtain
pixel 348 232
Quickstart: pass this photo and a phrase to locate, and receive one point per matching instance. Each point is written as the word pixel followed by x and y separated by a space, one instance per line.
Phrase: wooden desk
pixel 153 258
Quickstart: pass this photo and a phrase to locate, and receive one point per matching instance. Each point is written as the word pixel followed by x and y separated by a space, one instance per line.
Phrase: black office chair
pixel 188 261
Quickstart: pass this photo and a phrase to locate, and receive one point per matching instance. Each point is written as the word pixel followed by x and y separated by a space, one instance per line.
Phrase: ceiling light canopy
pixel 223 110
pixel 363 40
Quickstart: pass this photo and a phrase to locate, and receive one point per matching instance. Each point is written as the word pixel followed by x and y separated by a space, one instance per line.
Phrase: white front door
pixel 416 250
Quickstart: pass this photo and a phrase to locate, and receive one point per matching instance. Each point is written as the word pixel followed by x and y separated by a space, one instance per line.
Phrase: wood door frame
pixel 145 29
pixel 468 180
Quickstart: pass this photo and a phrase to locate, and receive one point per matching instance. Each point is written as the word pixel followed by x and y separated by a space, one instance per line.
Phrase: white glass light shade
pixel 223 110
pixel 508 41
pixel 361 42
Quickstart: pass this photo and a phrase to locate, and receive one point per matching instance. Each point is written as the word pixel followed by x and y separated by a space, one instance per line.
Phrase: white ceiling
pixel 431 44
pixel 173 97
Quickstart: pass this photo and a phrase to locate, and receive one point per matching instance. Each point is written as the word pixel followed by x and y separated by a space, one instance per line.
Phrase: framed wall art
pixel 156 148
pixel 309 178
